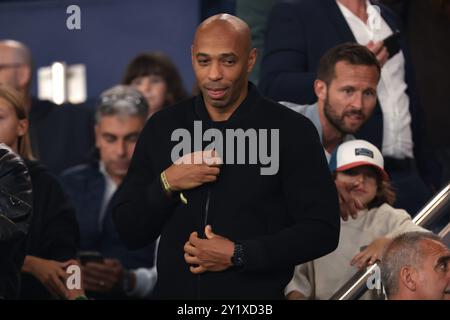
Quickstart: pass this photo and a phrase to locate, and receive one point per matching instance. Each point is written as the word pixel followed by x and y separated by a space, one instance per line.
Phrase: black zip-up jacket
pixel 282 220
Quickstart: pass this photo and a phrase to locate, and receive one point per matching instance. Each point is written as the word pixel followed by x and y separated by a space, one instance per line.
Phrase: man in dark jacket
pixel 230 230
pixel 121 114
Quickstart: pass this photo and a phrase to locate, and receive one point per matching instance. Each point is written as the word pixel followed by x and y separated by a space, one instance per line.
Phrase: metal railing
pixel 432 211
pixel 445 235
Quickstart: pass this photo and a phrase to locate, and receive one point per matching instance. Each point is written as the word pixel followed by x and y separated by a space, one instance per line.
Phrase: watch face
pixel 237 261
pixel 238 257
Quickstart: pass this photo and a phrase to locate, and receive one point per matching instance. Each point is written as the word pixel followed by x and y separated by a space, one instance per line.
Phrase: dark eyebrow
pixel 227 55
pixel 109 135
pixel 371 90
pixel 132 135
pixel 222 56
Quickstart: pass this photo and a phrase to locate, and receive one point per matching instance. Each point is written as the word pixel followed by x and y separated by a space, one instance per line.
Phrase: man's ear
pixel 408 278
pixel 252 60
pixel 320 89
pixel 23 76
pixel 192 54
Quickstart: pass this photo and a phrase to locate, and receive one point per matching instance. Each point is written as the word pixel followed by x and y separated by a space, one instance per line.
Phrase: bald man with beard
pixel 229 230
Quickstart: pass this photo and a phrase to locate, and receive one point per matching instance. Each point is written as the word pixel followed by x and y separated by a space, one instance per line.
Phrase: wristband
pixel 168 190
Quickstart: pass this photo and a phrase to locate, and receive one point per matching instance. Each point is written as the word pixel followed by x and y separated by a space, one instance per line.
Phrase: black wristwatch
pixel 238 255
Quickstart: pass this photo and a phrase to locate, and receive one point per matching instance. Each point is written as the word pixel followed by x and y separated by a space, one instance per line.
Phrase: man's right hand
pixel 193 170
pixel 349 206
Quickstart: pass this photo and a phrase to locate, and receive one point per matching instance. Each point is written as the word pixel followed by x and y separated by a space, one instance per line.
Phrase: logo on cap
pixel 364 152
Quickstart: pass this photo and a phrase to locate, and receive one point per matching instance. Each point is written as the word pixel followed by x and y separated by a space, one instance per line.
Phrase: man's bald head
pixel 17 52
pixel 228 23
pixel 222 58
pixel 15 65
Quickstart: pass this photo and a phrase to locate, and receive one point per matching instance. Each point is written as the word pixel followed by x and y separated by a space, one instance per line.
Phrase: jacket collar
pixel 338 20
pixel 341 25
pixel 240 113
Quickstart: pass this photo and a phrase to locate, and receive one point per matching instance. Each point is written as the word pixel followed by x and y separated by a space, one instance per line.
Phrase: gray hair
pixel 404 250
pixel 121 100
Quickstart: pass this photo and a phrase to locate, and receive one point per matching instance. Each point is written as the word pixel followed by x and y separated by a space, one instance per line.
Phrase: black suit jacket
pixel 85 186
pixel 61 136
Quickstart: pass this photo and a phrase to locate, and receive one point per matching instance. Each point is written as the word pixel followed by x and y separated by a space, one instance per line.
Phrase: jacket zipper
pixel 205 223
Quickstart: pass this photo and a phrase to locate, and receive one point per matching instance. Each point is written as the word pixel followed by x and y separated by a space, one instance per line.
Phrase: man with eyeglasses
pixel 51 126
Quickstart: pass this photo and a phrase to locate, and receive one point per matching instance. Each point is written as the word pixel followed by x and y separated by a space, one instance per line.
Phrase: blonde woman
pixel 53 235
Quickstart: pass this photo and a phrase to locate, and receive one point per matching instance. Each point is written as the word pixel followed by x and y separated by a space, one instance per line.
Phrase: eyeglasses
pixel 9 65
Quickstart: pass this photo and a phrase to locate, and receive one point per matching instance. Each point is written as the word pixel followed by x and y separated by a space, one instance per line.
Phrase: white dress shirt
pixel 394 102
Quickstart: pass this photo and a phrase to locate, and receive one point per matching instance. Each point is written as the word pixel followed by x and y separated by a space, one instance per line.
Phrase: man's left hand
pixel 211 254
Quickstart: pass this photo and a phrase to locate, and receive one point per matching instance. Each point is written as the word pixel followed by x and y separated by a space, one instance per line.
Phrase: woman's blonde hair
pixel 15 99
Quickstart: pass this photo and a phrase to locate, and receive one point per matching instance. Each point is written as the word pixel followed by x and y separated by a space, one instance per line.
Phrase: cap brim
pixel 383 173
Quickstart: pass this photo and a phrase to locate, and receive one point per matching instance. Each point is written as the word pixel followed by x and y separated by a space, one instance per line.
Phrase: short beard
pixel 338 122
